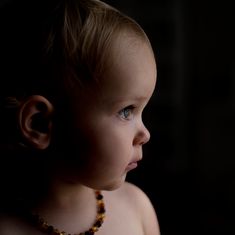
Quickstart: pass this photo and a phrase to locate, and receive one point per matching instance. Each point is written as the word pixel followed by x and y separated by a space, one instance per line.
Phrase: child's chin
pixel 115 184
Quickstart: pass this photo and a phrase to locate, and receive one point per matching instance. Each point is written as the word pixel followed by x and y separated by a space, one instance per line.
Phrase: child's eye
pixel 126 113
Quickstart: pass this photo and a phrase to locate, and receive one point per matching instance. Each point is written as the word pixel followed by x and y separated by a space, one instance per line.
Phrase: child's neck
pixel 65 195
pixel 69 207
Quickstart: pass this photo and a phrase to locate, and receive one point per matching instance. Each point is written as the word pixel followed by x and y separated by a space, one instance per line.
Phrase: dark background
pixel 188 169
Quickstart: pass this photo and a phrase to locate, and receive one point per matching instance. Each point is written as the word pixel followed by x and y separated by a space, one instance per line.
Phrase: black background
pixel 188 168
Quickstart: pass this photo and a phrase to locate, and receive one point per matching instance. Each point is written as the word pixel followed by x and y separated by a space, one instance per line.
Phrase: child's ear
pixel 35 121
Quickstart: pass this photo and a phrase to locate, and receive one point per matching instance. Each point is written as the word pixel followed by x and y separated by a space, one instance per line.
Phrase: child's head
pixel 77 75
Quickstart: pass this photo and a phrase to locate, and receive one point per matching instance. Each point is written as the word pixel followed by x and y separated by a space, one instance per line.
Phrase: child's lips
pixel 132 165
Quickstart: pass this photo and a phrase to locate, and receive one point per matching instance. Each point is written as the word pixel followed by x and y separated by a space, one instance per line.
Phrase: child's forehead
pixel 130 49
pixel 130 70
pixel 128 64
pixel 127 39
pixel 126 45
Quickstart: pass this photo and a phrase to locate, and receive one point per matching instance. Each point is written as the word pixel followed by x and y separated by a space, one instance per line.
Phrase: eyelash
pixel 123 113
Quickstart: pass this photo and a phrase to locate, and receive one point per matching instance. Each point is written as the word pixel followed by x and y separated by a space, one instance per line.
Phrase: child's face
pixel 108 115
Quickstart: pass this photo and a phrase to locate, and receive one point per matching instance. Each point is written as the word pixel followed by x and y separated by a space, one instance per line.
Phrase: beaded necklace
pixel 43 226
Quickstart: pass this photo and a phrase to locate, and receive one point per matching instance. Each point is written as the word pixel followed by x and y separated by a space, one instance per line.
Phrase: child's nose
pixel 142 136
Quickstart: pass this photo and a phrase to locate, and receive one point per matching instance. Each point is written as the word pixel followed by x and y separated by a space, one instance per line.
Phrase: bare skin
pixel 129 211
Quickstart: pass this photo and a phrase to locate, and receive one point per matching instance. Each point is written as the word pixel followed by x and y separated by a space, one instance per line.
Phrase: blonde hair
pixel 87 30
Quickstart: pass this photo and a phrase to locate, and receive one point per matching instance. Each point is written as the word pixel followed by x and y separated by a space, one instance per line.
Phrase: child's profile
pixel 75 78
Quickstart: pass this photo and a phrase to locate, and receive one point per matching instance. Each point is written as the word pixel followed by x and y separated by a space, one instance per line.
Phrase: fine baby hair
pixel 58 60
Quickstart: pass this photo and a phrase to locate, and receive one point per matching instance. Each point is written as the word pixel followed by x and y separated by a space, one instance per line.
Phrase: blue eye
pixel 126 113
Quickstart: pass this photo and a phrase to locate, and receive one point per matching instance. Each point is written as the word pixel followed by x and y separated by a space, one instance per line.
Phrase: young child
pixel 75 78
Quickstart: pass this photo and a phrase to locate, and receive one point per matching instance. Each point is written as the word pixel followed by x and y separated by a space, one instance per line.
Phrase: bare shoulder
pixel 137 200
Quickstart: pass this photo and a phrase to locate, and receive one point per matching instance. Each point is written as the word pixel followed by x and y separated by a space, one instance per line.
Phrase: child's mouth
pixel 131 166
